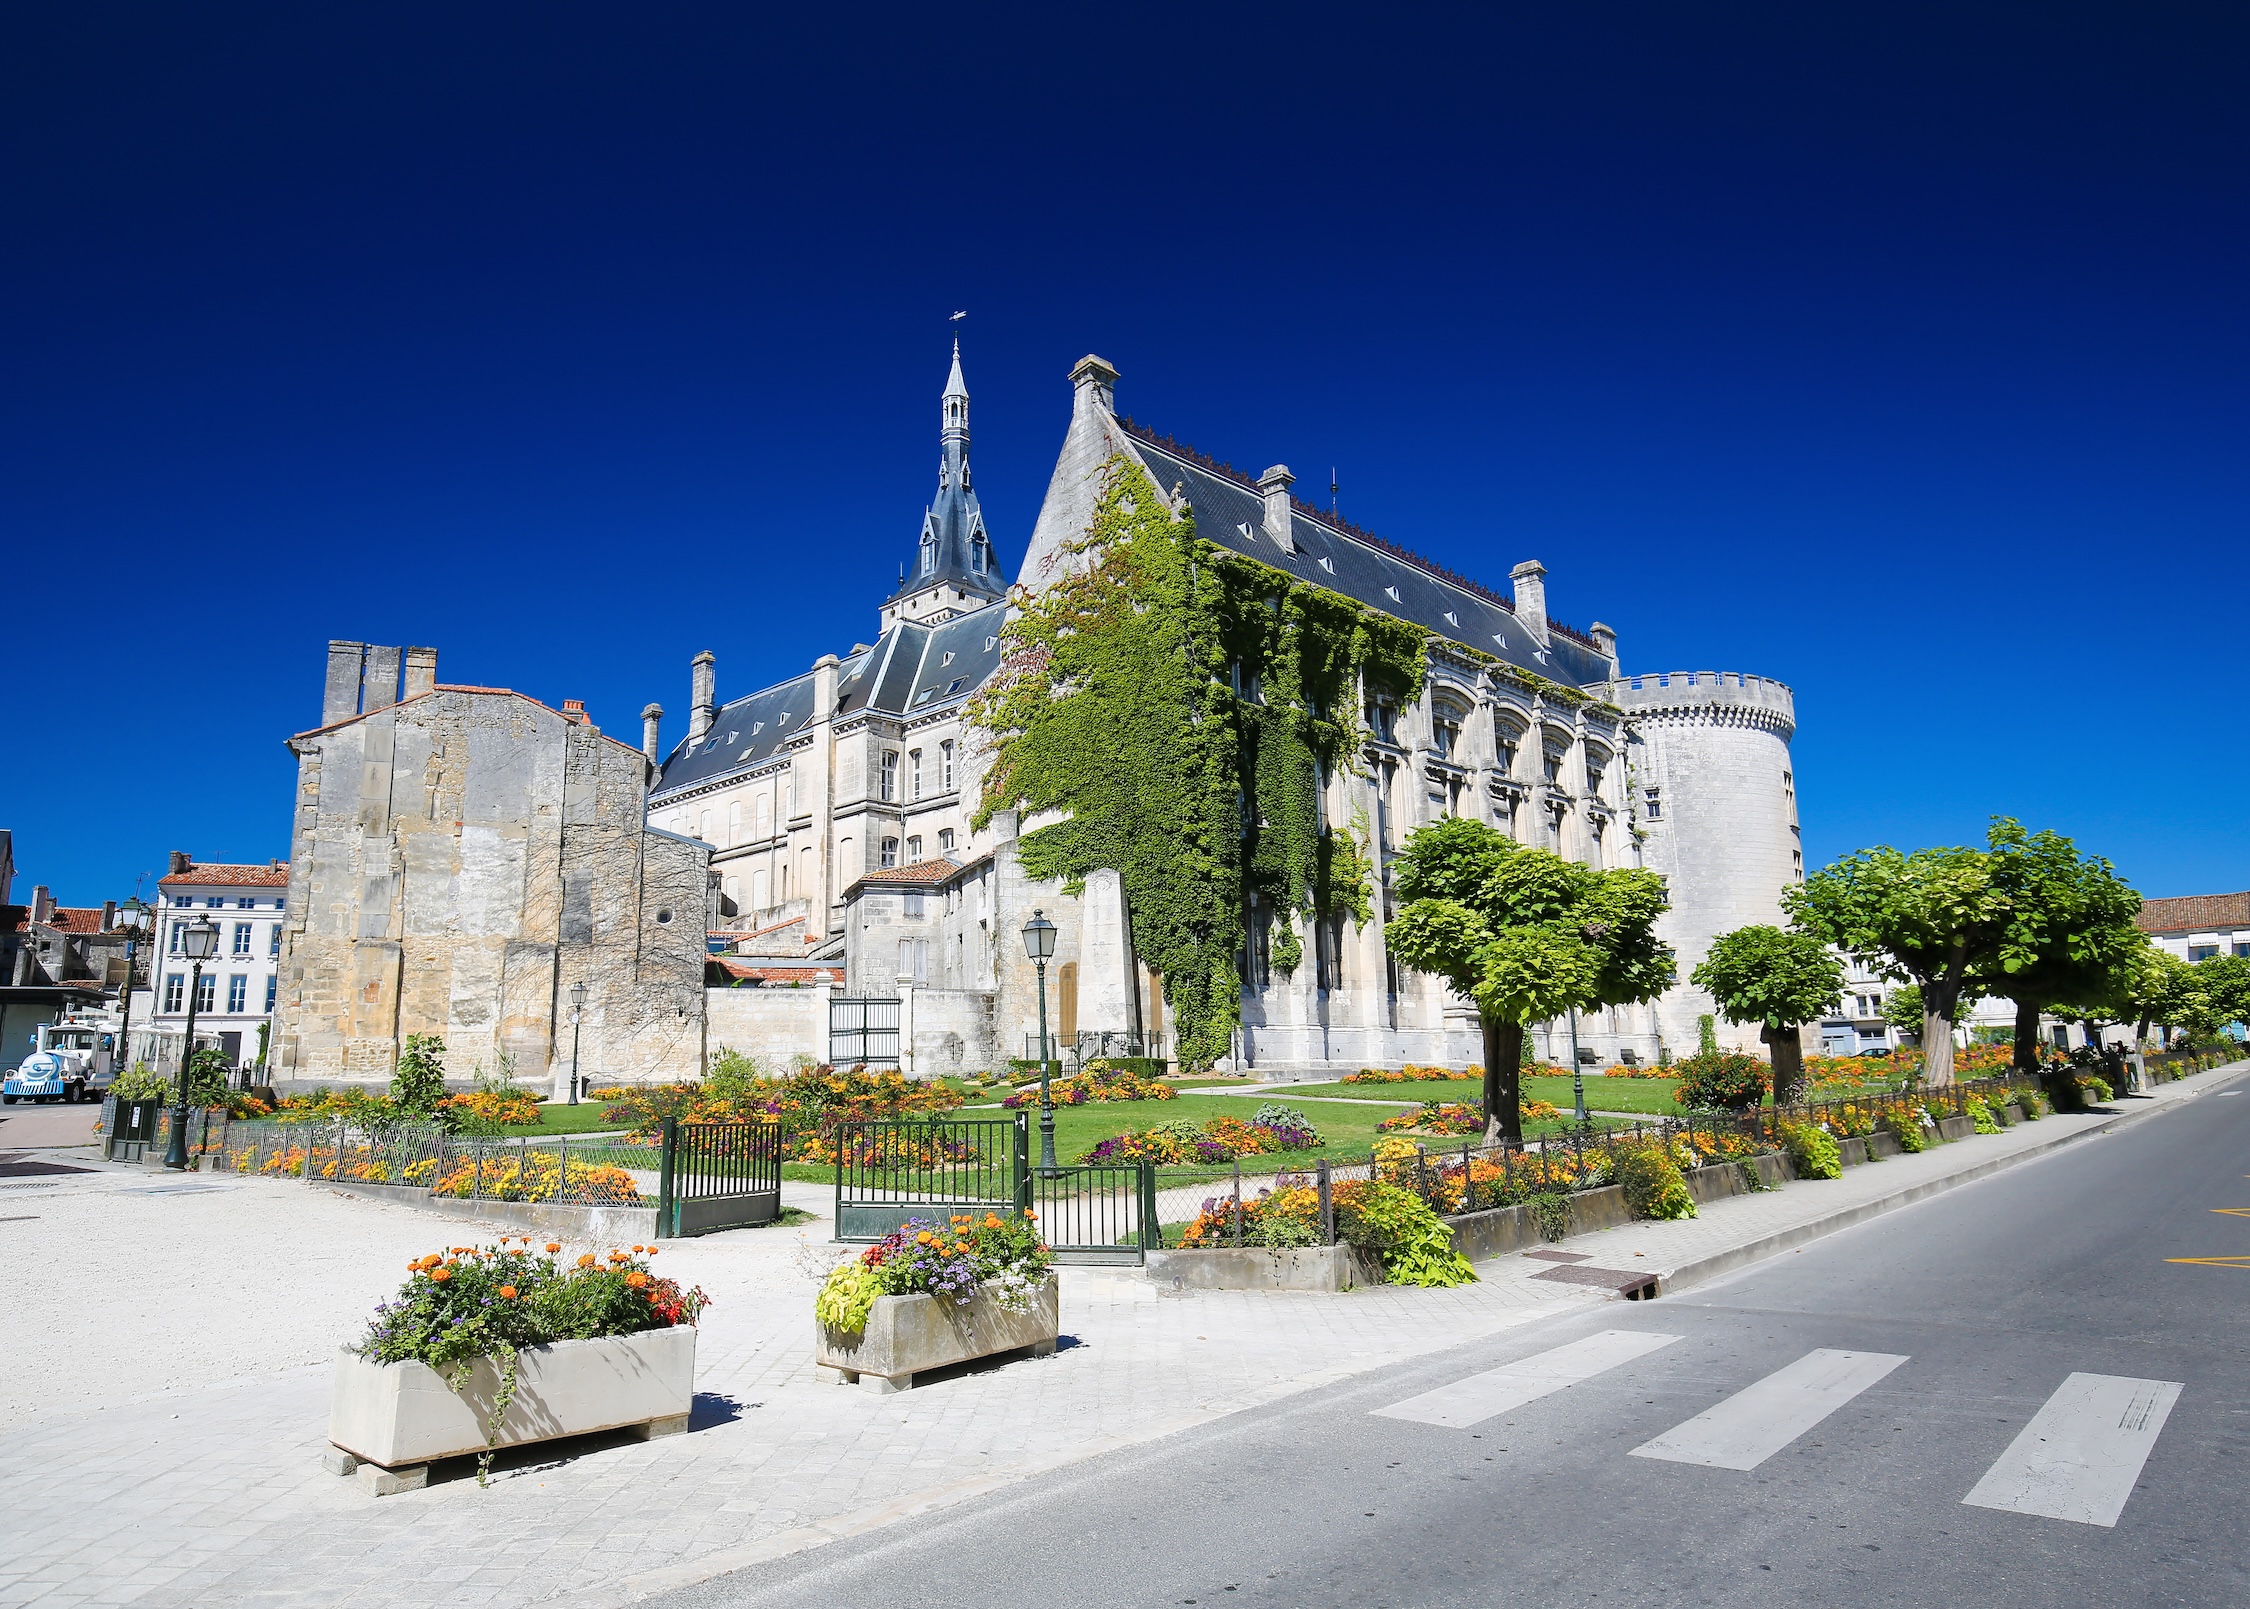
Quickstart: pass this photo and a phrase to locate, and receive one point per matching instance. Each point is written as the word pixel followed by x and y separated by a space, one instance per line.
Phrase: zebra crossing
pixel 2077 1459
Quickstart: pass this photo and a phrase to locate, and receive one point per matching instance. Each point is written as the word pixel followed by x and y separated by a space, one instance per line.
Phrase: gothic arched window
pixel 929 554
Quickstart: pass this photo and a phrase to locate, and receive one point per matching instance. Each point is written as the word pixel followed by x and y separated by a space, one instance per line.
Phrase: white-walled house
pixel 248 904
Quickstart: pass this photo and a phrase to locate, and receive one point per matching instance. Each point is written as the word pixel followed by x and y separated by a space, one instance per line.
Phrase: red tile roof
pixel 2192 912
pixel 75 919
pixel 922 871
pixel 760 973
pixel 273 875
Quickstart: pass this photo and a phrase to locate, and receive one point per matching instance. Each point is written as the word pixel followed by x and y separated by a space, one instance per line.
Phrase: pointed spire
pixel 955 386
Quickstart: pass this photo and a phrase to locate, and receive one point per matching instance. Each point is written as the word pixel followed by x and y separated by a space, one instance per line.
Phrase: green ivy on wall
pixel 1178 705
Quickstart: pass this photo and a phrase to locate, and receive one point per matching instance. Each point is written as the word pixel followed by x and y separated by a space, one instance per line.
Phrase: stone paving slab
pixel 156 1490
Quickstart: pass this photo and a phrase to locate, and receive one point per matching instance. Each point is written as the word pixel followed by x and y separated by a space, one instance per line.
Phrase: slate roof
pixel 275 875
pixel 2194 913
pixel 914 669
pixel 1331 553
pixel 954 548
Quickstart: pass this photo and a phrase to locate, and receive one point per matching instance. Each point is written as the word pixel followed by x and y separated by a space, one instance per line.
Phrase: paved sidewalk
pixel 193 1483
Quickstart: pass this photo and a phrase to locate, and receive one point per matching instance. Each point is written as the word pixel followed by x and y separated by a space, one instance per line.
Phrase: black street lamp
pixel 577 1006
pixel 133 917
pixel 199 940
pixel 1039 944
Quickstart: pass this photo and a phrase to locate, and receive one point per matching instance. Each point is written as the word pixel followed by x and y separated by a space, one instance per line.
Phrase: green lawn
pixel 560 1117
pixel 1408 1094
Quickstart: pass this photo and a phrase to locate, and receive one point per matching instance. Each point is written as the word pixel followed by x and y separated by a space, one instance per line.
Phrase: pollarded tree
pixel 1937 917
pixel 1778 980
pixel 2070 931
pixel 1525 936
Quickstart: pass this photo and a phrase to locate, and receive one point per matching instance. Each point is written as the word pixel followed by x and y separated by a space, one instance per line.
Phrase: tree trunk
pixel 1788 1047
pixel 1503 1070
pixel 2027 1037
pixel 1937 1040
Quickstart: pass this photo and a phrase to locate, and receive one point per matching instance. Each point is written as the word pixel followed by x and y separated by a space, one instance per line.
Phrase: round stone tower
pixel 1714 793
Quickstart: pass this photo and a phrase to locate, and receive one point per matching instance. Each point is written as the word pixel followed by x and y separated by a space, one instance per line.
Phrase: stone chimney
pixel 574 711
pixel 652 722
pixel 1606 640
pixel 339 700
pixel 109 914
pixel 421 671
pixel 42 902
pixel 1530 578
pixel 1274 485
pixel 703 695
pixel 379 691
pixel 182 862
pixel 1093 385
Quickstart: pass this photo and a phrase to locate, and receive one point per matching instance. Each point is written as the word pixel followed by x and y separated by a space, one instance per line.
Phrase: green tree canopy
pixel 1525 936
pixel 2069 939
pixel 1937 917
pixel 1777 979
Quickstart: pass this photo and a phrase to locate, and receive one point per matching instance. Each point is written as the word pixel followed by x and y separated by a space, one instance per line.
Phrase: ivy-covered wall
pixel 1180 705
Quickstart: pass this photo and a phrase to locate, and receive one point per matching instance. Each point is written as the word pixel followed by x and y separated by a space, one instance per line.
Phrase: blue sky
pixel 1898 354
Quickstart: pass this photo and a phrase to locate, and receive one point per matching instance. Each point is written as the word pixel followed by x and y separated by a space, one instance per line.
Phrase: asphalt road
pixel 1900 1362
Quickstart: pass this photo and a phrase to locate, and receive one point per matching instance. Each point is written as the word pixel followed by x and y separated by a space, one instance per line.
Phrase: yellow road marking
pixel 2239 1212
pixel 2214 1262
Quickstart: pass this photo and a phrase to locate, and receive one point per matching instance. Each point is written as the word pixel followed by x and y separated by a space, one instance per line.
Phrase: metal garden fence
pixel 714 1176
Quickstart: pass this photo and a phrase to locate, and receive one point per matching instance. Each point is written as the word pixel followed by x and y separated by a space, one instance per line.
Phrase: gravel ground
pixel 138 1282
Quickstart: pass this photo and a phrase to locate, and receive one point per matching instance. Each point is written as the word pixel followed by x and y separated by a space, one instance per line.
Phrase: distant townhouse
pixel 248 904
pixel 2198 927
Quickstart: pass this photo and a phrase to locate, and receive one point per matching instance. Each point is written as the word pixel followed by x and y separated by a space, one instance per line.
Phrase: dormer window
pixel 929 554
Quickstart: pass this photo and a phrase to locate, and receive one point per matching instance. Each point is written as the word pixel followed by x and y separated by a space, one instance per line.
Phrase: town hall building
pixel 837 804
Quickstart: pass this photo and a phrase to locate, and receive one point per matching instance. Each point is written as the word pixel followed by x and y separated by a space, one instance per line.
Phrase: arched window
pixel 929 554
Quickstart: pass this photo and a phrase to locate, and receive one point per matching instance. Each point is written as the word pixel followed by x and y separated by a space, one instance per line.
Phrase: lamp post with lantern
pixel 199 941
pixel 1039 944
pixel 133 917
pixel 577 1008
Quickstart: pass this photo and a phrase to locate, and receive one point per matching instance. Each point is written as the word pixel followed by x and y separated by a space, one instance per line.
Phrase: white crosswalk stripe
pixel 1481 1396
pixel 2082 1452
pixel 1759 1420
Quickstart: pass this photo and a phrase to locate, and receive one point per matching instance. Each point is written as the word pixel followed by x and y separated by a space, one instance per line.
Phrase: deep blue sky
pixel 1900 354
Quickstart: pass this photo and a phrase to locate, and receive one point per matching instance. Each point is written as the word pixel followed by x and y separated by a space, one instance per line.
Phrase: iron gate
pixel 717 1176
pixel 862 1032
pixel 887 1173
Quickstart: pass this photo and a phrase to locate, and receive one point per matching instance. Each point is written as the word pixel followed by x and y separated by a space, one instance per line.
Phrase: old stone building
pixel 837 803
pixel 459 858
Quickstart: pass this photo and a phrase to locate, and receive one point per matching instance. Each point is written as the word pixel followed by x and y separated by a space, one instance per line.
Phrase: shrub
pixel 1813 1150
pixel 419 1084
pixel 1722 1080
pixel 1904 1124
pixel 1551 1210
pixel 141 1082
pixel 1654 1187
pixel 1980 1114
pixel 1402 1229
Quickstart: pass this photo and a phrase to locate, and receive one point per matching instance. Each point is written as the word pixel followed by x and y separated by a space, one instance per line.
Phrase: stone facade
pixel 459 858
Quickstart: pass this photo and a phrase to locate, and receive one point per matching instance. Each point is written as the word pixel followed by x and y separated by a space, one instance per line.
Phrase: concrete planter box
pixel 1957 1128
pixel 909 1335
pixel 396 1417
pixel 1259 1268
pixel 1883 1143
pixel 556 1217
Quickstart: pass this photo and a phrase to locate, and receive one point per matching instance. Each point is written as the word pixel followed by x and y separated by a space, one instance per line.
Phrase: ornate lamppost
pixel 1039 944
pixel 133 917
pixel 577 1008
pixel 199 940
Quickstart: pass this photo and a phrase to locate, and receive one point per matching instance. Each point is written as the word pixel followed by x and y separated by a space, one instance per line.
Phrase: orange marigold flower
pixel 554 1245
pixel 438 1276
pixel 990 1222
pixel 636 1280
pixel 586 1259
pixel 508 1292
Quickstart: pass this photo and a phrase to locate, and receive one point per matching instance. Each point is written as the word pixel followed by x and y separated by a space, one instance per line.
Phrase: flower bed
pixel 1000 1258
pixel 527 1176
pixel 513 1108
pixel 1411 1075
pixel 1270 1129
pixel 1392 1225
pixel 813 1103
pixel 1099 1082
pixel 469 1306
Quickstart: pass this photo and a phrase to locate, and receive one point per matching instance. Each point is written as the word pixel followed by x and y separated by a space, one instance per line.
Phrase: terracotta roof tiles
pixel 2194 912
pixel 274 874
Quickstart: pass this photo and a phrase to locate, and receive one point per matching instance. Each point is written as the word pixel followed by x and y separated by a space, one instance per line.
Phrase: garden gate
pixel 889 1172
pixel 718 1176
pixel 862 1031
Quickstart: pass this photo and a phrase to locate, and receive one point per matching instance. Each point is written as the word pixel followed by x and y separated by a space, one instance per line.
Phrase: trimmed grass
pixel 560 1117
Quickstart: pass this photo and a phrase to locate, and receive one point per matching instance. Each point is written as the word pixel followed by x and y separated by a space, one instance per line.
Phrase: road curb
pixel 1695 1272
